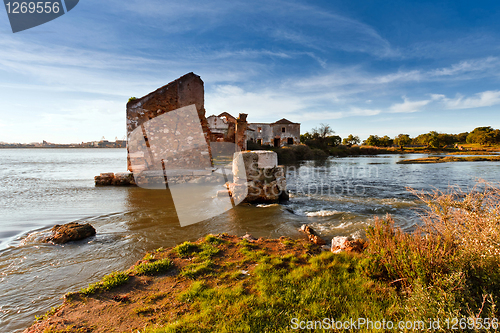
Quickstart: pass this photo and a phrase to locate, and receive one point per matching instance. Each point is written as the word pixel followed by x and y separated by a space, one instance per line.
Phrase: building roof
pixel 227 115
pixel 284 122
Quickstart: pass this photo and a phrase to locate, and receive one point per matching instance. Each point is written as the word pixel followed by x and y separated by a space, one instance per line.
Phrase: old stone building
pixel 277 134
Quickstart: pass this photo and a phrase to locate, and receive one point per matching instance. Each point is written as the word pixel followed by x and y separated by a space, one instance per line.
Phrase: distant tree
pixel 446 139
pixel 496 135
pixel 402 140
pixel 351 140
pixel 305 137
pixel 434 141
pixel 323 131
pixel 386 141
pixel 482 135
pixel 333 140
pixel 462 137
pixel 321 137
pixel 373 140
pixel 422 139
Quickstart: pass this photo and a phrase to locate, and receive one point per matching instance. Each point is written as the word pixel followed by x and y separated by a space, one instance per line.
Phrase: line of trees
pixel 323 137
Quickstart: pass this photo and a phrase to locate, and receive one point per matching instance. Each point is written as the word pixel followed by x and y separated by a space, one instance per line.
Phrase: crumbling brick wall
pixel 185 91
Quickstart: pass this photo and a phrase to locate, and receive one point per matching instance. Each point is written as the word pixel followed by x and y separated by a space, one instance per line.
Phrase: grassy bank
pixel 449 268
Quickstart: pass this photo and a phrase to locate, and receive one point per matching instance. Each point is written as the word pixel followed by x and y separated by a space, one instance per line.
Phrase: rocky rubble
pixel 115 179
pixel 312 235
pixel 338 244
pixel 347 244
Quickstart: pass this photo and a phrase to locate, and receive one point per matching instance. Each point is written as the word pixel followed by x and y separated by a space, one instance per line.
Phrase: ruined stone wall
pixel 265 134
pixel 291 131
pixel 185 92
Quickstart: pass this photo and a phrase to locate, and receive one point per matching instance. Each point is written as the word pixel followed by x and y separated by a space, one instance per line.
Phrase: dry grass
pixel 404 259
pixel 451 265
pixel 471 219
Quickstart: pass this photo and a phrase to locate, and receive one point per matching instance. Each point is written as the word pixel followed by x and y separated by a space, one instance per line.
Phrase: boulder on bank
pixel 347 244
pixel 70 232
pixel 312 235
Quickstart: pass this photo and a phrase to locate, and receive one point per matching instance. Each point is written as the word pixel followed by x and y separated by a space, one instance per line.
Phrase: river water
pixel 43 187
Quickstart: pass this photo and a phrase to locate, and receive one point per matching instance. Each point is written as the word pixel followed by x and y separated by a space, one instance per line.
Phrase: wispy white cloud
pixel 408 106
pixel 363 112
pixel 467 66
pixel 332 115
pixel 483 99
pixel 262 104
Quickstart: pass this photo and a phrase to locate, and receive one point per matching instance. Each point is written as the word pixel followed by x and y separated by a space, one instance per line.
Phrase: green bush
pixel 302 152
pixel 186 249
pixel 154 267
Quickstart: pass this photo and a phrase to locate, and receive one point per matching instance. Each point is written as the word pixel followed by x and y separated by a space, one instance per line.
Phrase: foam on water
pixel 323 213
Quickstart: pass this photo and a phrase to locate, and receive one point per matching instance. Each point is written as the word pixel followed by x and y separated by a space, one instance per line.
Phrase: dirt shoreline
pixel 147 300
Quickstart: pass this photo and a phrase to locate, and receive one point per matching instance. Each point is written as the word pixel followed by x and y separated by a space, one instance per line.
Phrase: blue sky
pixel 364 67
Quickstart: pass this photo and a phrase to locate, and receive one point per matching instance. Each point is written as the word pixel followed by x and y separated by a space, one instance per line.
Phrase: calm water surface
pixel 43 187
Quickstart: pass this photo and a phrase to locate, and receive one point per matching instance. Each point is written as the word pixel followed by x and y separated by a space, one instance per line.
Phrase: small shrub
pixel 319 154
pixel 302 152
pixel 154 267
pixel 286 155
pixel 186 249
pixel 214 240
pixel 108 282
pixel 207 252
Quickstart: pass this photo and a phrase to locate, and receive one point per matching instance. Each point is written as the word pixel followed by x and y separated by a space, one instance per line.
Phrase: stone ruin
pixel 187 91
pixel 170 142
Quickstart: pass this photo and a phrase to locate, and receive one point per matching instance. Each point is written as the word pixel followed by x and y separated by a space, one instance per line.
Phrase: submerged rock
pixel 70 232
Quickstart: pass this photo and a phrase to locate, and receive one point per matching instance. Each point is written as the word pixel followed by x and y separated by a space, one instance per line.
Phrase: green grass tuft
pixel 214 240
pixel 186 249
pixel 49 313
pixel 154 267
pixel 195 270
pixel 108 282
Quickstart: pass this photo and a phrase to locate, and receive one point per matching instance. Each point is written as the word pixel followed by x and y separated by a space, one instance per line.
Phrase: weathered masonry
pixel 280 133
pixel 172 144
pixel 186 91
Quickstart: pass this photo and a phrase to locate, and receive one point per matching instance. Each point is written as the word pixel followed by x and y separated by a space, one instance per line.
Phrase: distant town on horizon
pixel 103 143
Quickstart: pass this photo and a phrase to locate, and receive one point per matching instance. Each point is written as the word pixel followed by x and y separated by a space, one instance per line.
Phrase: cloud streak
pixel 483 99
